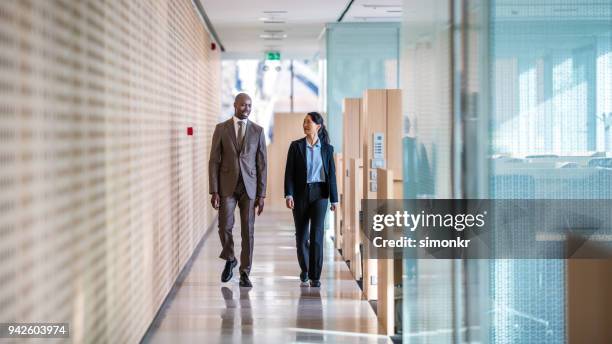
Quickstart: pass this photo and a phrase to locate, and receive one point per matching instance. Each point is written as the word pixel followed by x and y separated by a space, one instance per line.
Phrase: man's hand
pixel 289 202
pixel 215 200
pixel 333 207
pixel 259 204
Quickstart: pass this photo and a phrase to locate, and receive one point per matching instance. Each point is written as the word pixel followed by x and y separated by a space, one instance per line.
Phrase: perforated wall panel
pixel 103 195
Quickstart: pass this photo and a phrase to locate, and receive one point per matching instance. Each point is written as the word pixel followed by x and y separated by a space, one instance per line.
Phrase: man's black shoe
pixel 227 273
pixel 244 280
pixel 304 276
pixel 315 283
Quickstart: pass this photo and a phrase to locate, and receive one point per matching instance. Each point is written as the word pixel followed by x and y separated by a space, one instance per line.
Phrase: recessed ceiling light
pixel 274 11
pixel 374 6
pixel 273 36
pixel 274 31
pixel 376 18
pixel 272 18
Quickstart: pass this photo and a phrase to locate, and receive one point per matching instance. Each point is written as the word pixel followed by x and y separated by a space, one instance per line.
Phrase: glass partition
pixel 507 99
pixel 546 137
pixel 359 56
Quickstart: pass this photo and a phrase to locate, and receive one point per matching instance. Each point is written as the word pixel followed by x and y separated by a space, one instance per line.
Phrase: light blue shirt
pixel 314 163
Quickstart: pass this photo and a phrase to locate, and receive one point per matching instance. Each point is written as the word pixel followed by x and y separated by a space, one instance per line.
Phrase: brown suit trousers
pixel 247 226
pixel 237 171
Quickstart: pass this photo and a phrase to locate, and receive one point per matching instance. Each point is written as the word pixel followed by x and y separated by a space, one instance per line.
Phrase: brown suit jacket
pixel 226 162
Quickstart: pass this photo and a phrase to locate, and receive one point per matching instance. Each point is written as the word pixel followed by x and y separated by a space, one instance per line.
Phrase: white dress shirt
pixel 237 127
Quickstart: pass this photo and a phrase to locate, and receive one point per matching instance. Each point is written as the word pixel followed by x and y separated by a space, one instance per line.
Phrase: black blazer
pixel 296 169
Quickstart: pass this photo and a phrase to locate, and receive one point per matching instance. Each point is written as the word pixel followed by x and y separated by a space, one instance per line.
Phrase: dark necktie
pixel 240 134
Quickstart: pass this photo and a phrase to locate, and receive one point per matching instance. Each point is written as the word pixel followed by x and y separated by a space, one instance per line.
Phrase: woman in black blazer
pixel 310 181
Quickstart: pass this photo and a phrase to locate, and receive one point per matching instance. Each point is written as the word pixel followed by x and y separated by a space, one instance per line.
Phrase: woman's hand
pixel 333 207
pixel 289 202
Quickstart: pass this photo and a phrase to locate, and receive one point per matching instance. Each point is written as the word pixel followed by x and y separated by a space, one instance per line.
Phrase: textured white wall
pixel 103 195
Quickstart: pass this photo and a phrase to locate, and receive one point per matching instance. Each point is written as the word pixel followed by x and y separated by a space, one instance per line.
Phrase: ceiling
pixel 247 29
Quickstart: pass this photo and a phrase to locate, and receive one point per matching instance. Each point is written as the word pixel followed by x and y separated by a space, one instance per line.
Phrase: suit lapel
pixel 302 150
pixel 229 126
pixel 249 132
pixel 324 157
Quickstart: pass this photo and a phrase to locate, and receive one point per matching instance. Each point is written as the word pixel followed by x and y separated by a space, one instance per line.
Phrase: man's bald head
pixel 241 95
pixel 242 105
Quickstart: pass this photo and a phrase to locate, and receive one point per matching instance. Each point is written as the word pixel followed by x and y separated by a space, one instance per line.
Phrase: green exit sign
pixel 273 56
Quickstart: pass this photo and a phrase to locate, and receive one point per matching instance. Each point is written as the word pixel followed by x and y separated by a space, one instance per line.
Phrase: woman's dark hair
pixel 318 119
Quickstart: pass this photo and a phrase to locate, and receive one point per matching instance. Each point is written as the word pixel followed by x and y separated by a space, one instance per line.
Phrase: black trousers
pixel 309 217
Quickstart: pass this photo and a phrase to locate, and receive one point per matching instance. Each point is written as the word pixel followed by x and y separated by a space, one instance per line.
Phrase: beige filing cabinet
pixel 393 140
pixel 370 266
pixel 386 275
pixel 351 149
pixel 374 110
pixel 382 112
pixel 287 127
pixel 353 237
pixel 337 215
pixel 382 149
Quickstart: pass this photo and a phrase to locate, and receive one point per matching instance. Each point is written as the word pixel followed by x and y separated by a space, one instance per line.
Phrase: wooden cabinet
pixel 287 127
pixel 337 215
pixel 387 276
pixel 374 110
pixel 393 143
pixel 383 119
pixel 379 113
pixel 351 150
pixel 354 236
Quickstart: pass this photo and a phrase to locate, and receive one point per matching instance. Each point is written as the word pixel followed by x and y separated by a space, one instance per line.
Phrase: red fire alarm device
pixel 213 46
pixel 190 131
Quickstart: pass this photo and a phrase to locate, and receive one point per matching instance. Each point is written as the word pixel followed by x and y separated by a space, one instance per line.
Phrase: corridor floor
pixel 277 309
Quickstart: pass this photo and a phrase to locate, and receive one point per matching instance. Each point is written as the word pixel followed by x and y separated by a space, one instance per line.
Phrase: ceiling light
pixel 272 19
pixel 376 18
pixel 274 12
pixel 273 36
pixel 373 6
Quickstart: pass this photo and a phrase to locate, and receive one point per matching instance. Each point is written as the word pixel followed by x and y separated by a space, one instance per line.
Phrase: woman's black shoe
pixel 315 283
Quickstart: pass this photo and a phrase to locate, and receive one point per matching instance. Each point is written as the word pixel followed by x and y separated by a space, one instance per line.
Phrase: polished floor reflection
pixel 277 309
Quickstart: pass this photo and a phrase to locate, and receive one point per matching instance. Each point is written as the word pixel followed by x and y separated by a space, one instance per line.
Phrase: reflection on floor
pixel 277 309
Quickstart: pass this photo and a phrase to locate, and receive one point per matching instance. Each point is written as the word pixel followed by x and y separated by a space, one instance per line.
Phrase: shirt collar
pixel 236 120
pixel 317 143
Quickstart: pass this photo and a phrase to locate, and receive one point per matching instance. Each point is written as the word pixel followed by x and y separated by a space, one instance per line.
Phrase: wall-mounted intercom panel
pixel 378 158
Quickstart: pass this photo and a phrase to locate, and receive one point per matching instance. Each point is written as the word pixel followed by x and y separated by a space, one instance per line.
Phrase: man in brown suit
pixel 237 176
